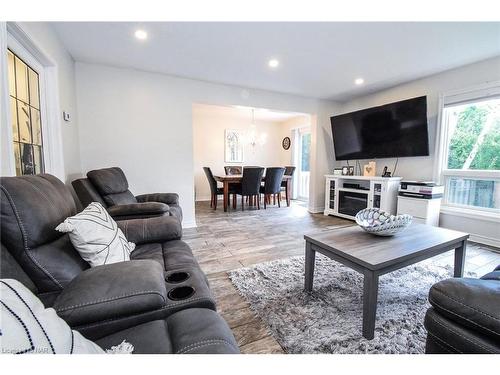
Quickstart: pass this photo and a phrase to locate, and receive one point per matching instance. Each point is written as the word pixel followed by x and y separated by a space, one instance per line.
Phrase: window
pixel 24 96
pixel 470 165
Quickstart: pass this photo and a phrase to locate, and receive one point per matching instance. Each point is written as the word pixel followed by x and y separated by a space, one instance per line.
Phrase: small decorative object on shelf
pixel 386 173
pixel 381 223
pixel 345 171
pixel 369 169
pixel 337 172
pixel 286 143
pixel 351 170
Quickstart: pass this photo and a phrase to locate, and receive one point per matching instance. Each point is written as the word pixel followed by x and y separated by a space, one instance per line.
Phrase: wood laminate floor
pixel 224 241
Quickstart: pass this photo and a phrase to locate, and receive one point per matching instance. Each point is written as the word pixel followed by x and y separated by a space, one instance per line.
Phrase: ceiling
pixel 259 114
pixel 319 60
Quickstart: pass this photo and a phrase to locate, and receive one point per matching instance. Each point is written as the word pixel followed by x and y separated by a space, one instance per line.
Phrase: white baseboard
pixel 495 242
pixel 203 199
pixel 316 210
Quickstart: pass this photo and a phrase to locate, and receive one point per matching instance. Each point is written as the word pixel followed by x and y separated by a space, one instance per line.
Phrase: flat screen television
pixel 392 130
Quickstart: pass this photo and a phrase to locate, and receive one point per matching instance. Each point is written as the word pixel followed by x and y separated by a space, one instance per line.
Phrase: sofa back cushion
pixel 31 208
pixel 10 269
pixel 86 192
pixel 112 185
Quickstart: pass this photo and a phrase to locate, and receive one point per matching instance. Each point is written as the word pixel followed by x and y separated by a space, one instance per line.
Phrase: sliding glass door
pixel 303 172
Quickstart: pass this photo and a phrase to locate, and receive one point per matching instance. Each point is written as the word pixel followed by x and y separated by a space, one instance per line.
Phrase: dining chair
pixel 272 184
pixel 250 185
pixel 215 191
pixel 289 171
pixel 232 169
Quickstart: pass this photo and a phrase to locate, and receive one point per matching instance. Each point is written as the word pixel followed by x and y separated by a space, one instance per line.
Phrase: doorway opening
pixel 234 136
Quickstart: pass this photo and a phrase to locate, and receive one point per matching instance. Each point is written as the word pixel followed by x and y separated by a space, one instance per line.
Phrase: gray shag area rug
pixel 329 319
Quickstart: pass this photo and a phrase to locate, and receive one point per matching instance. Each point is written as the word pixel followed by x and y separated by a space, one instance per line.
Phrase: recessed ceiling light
pixel 141 34
pixel 273 63
pixel 359 81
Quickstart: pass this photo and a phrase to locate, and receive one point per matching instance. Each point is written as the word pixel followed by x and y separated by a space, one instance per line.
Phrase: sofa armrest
pixel 167 198
pixel 153 229
pixel 138 210
pixel 105 294
pixel 470 302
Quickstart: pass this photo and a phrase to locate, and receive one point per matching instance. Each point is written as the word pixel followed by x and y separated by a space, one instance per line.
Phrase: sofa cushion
pixel 177 254
pixel 150 251
pixel 170 254
pixel 176 211
pixel 122 198
pixel 112 292
pixel 86 192
pixel 10 269
pixel 96 236
pixel 147 338
pixel 112 184
pixel 153 229
pixel 108 180
pixel 31 207
pixel 470 302
pixel 138 210
pixel 28 327
pixel 191 331
pixel 171 199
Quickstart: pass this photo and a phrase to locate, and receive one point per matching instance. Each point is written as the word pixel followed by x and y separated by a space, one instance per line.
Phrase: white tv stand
pixel 345 202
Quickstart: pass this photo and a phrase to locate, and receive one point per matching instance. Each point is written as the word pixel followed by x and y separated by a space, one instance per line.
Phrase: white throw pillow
pixel 28 327
pixel 96 236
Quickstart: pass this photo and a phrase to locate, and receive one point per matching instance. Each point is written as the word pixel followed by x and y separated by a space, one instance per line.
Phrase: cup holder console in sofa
pixel 181 293
pixel 188 287
pixel 177 277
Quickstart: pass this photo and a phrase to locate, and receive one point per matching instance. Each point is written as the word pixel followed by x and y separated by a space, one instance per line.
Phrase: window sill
pixel 471 213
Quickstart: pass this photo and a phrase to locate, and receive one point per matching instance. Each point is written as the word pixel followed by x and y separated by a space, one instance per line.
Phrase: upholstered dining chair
pixel 250 185
pixel 272 185
pixel 233 169
pixel 215 191
pixel 289 171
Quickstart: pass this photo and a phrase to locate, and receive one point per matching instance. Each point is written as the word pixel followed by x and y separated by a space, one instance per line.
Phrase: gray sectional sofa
pixel 159 301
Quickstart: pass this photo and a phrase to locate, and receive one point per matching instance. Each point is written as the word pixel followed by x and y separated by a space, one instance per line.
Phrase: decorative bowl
pixel 381 223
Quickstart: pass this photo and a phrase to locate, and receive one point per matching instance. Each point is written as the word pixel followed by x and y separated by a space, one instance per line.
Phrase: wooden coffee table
pixel 374 256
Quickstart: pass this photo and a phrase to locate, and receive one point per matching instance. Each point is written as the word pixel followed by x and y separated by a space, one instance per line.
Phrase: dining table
pixel 236 179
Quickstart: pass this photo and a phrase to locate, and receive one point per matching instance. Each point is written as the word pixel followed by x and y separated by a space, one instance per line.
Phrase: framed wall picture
pixel 233 144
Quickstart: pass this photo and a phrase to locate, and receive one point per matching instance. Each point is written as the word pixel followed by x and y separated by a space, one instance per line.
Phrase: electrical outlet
pixel 66 117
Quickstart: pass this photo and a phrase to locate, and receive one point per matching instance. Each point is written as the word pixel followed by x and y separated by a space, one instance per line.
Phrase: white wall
pixel 422 168
pixel 209 124
pixel 143 122
pixel 48 42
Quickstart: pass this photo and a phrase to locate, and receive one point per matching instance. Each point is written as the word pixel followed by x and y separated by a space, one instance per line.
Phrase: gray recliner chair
pixel 159 300
pixel 109 186
pixel 465 315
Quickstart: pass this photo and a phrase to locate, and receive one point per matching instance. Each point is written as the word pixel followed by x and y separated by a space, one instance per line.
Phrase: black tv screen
pixel 391 130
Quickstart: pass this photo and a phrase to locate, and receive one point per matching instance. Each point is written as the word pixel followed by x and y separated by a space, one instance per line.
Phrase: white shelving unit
pixel 424 211
pixel 345 202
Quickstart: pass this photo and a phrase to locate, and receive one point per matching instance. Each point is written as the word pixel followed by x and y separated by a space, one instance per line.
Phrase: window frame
pixel 473 94
pixel 21 44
